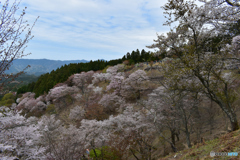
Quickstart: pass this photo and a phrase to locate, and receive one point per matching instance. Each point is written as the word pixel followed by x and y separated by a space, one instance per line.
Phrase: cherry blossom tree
pixel 236 45
pixel 113 70
pixel 162 114
pixel 60 142
pixel 112 103
pixel 199 66
pixel 27 101
pixel 19 136
pixel 59 92
pixel 62 96
pixel 134 85
pixel 82 80
pixel 96 90
pixel 174 111
pixel 116 83
pixel 77 113
pixel 31 106
pixel 59 85
pixel 89 101
pixel 99 77
pixel 131 127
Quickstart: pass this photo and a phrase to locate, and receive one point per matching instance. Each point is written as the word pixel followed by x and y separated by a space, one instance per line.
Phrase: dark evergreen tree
pixel 124 58
pixel 128 55
pixel 142 56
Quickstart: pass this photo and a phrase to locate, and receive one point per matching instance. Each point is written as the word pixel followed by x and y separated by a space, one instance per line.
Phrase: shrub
pixel 126 62
pixel 105 152
pixel 105 69
pixel 51 109
pixel 7 100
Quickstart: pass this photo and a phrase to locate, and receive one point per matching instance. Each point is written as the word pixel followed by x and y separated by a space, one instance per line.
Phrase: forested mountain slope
pixel 48 80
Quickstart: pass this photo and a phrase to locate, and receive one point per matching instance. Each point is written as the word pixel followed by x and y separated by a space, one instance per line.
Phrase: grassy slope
pixel 227 143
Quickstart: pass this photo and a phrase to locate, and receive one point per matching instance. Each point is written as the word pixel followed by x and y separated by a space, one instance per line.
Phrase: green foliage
pixel 114 62
pixel 51 109
pixel 143 56
pixel 105 69
pixel 8 96
pixel 131 62
pixel 104 152
pixel 7 100
pixel 92 154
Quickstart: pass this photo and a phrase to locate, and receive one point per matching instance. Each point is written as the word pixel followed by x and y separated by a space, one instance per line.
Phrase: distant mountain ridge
pixel 39 66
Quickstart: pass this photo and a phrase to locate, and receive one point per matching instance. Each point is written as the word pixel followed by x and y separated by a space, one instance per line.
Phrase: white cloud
pixel 89 26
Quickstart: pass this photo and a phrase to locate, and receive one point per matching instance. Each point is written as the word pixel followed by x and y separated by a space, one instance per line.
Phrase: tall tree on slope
pixel 198 68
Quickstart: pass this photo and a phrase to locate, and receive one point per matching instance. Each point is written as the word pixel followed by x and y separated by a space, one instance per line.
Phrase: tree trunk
pixel 138 95
pixel 187 133
pixel 150 153
pixel 234 122
pixel 173 136
pixel 166 139
pixel 134 154
pixel 232 117
pixel 188 139
pixel 225 106
pixel 95 154
pixel 234 125
pixel 173 148
pixel 177 134
pixel 102 153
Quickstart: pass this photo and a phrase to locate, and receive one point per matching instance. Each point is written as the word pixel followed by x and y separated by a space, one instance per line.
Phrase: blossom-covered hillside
pixel 93 106
pixel 117 115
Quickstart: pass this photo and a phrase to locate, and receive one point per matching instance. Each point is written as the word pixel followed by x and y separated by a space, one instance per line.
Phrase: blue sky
pixel 92 29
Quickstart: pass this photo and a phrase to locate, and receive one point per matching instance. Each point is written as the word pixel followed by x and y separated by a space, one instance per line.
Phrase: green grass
pixel 227 143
